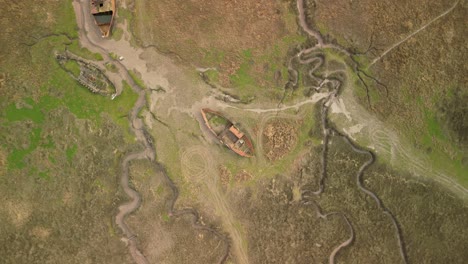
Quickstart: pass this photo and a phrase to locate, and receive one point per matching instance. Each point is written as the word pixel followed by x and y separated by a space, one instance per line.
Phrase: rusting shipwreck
pixel 85 73
pixel 103 12
pixel 227 133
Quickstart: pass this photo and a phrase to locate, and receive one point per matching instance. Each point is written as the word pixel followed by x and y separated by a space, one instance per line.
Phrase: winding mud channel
pixel 317 59
pixel 89 38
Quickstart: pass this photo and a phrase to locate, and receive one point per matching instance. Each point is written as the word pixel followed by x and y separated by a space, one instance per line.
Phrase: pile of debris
pixel 279 138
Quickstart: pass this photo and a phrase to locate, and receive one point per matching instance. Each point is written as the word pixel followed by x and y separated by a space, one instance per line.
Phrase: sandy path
pixel 205 172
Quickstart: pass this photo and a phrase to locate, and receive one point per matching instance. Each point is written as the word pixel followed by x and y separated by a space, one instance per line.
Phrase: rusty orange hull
pixel 103 12
pixel 227 133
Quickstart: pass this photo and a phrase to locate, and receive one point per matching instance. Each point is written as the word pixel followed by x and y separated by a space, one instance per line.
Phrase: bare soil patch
pixel 40 232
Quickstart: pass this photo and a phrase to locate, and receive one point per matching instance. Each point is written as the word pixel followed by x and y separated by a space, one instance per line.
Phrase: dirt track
pixel 201 168
pixel 414 33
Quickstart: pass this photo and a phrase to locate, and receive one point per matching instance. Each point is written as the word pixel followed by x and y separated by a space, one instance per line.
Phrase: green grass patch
pixel 52 159
pixel 434 139
pixel 433 126
pixel 44 175
pixel 136 78
pixel 124 14
pixel 242 78
pixel 111 67
pixel 218 121
pixel 76 49
pixel 165 217
pixel 324 31
pixel 117 33
pixel 454 166
pixel 159 190
pixel 212 75
pixel 214 56
pixel 113 56
pixel 247 54
pixel 233 168
pixel 64 23
pixel 70 152
pixel 16 158
pixel 363 62
pixel 79 100
pixel 293 39
pixel 84 104
pixel 50 144
pixel 73 67
pixel 19 114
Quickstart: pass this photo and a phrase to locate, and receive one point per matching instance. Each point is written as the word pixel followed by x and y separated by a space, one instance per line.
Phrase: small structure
pixel 227 133
pixel 103 12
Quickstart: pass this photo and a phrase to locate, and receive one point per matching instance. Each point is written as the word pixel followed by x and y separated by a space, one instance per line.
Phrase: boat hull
pixel 103 12
pixel 227 133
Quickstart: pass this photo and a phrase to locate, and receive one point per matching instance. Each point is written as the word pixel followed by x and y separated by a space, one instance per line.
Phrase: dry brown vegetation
pixel 225 25
pixel 283 230
pixel 246 41
pixel 279 137
pixel 224 175
pixel 432 220
pixel 359 24
pixel 242 176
